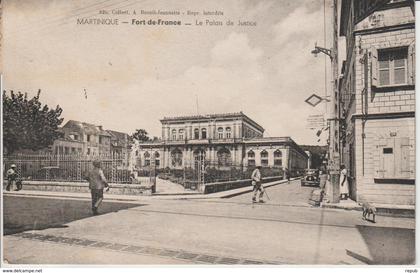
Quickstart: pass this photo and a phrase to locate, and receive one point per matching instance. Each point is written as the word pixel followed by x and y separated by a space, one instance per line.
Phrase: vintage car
pixel 311 178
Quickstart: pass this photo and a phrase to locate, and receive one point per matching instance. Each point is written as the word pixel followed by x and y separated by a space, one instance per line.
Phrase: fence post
pixel 79 169
pixel 113 168
pixel 19 168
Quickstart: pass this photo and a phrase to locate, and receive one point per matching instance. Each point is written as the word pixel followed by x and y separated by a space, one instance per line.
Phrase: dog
pixel 368 209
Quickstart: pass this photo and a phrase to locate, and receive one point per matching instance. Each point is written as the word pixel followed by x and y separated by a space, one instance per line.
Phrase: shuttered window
pixel 394 159
pixel 392 66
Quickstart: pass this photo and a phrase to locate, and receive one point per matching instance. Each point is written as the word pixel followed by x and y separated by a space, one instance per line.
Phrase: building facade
pixel 377 92
pixel 224 140
pixel 92 140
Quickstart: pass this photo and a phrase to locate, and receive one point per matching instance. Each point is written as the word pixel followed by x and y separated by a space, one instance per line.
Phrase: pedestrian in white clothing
pixel 344 184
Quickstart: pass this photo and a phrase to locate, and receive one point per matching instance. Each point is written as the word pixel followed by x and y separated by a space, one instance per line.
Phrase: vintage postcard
pixel 207 133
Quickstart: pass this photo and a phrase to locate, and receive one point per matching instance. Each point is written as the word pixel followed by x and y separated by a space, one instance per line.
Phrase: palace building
pixel 224 140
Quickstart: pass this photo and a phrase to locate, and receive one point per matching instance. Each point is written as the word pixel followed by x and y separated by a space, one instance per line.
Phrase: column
pixel 185 162
pixel 270 157
pixel 214 130
pixel 233 155
pixel 286 158
pixel 163 131
pixel 257 152
pixel 168 157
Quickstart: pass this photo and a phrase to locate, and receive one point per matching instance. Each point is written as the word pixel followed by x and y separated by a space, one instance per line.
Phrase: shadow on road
pixel 32 213
pixel 387 245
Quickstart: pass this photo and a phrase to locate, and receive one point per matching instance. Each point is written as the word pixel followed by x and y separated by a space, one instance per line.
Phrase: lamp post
pixel 333 117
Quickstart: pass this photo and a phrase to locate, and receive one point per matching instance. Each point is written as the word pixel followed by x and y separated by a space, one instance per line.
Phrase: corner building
pixel 377 92
pixel 225 140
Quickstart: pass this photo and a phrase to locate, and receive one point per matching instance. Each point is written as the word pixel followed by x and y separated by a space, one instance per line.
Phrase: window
pixel 388 151
pixel 251 158
pixel 204 133
pixel 392 66
pixel 220 132
pixel 264 158
pixel 79 150
pixel 228 132
pixel 223 157
pixel 88 138
pixel 395 159
pixel 73 150
pixel 88 151
pixel 173 134
pixel 66 150
pixel 146 159
pixel 176 158
pixel 157 155
pixel 277 158
pixel 181 134
pixel 196 133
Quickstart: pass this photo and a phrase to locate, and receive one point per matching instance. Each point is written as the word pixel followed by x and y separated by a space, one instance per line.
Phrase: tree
pixel 141 135
pixel 27 124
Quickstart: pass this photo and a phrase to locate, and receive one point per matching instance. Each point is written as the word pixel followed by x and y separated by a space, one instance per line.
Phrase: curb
pixel 265 186
pixel 383 211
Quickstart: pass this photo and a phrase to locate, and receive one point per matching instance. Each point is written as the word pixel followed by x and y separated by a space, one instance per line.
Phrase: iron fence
pixel 71 168
pixel 204 171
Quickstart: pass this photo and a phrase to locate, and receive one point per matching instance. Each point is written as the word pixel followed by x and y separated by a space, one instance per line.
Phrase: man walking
pixel 97 183
pixel 257 184
pixel 12 177
pixel 288 175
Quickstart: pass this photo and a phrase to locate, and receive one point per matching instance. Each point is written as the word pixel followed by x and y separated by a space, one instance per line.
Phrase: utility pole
pixel 334 137
pixel 333 116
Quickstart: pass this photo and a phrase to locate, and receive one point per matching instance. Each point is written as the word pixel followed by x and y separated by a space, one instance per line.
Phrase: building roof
pixel 212 117
pixel 87 127
pixel 119 138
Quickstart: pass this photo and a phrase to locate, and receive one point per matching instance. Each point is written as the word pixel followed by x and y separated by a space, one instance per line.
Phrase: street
pixel 285 230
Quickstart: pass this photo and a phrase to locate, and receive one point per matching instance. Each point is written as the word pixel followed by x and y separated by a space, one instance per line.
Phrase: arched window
pixel 174 134
pixel 196 133
pixel 176 158
pixel 204 133
pixel 251 158
pixel 146 159
pixel 264 158
pixel 224 157
pixel 220 132
pixel 228 132
pixel 181 134
pixel 157 160
pixel 277 158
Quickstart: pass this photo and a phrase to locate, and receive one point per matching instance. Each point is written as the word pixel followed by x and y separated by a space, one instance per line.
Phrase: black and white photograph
pixel 211 133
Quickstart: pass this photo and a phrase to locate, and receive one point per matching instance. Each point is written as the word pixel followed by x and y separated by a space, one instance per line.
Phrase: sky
pixel 136 75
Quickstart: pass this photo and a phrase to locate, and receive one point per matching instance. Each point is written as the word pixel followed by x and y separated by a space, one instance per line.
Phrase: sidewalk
pixel 117 197
pixel 382 209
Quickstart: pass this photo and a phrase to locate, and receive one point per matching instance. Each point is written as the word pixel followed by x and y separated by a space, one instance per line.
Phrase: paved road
pixel 283 231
